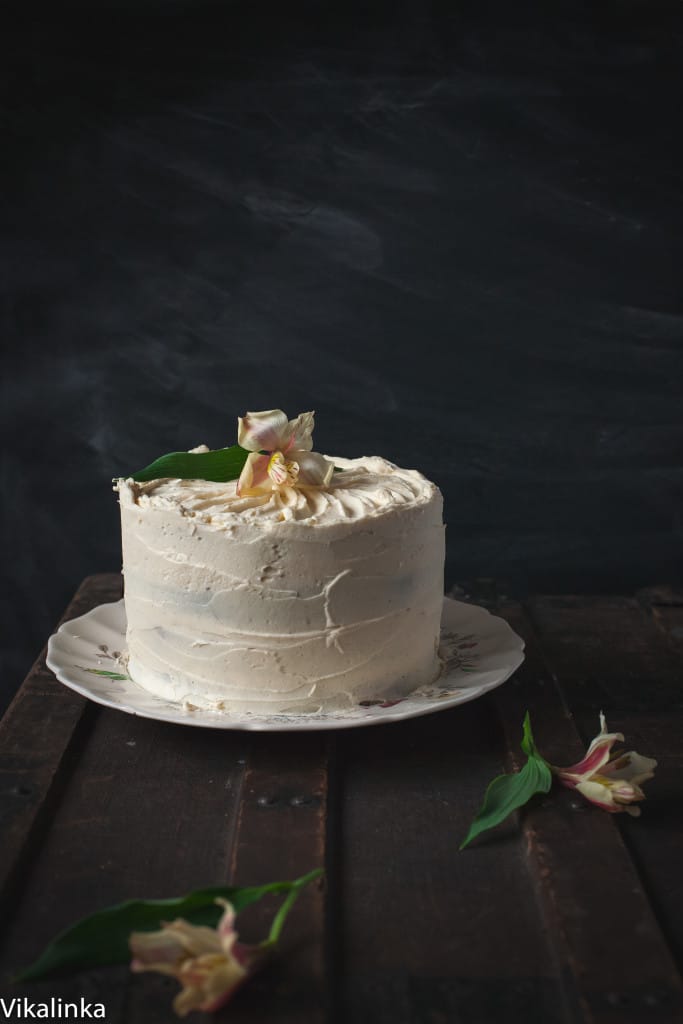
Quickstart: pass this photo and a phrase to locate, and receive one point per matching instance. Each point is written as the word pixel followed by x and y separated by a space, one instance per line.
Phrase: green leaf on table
pixel 528 744
pixel 102 938
pixel 219 466
pixel 509 792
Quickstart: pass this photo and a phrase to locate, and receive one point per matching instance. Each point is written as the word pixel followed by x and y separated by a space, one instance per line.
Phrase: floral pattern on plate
pixel 479 651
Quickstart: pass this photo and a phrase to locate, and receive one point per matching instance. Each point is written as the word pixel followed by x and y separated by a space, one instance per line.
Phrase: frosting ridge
pixel 290 600
pixel 369 486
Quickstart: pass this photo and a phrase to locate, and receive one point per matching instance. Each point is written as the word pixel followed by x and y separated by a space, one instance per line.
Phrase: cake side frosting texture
pixel 296 600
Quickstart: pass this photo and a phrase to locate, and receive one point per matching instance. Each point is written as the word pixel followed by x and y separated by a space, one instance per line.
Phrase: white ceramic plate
pixel 479 651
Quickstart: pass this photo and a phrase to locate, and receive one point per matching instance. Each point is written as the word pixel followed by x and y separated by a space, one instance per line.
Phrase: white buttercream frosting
pixel 293 600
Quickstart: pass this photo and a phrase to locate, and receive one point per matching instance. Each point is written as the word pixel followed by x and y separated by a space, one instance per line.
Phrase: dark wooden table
pixel 565 914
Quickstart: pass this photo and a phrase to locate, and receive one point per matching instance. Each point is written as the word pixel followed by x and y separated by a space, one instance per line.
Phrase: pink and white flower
pixel 280 453
pixel 612 781
pixel 209 963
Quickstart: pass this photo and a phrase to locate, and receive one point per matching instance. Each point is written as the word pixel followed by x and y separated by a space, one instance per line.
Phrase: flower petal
pixel 254 476
pixel 226 925
pixel 156 951
pixel 596 756
pixel 263 431
pixel 282 471
pixel 165 950
pixel 188 999
pixel 208 982
pixel 301 432
pixel 611 794
pixel 600 795
pixel 632 767
pixel 196 940
pixel 314 469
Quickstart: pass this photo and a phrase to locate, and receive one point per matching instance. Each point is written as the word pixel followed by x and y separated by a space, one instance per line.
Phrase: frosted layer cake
pixel 305 583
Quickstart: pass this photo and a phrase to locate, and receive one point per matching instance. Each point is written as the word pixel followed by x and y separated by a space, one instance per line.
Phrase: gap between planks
pixel 589 891
pixel 40 737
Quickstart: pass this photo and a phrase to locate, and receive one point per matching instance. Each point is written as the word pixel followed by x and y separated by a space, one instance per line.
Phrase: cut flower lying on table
pixel 611 781
pixel 203 953
pixel 209 963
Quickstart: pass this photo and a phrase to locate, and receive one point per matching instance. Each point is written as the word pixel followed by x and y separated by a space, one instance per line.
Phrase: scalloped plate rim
pixel 64 642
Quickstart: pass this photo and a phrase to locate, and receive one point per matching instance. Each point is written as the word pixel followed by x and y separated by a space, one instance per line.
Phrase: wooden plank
pixel 665 606
pixel 663 595
pixel 531 929
pixel 428 932
pixel 280 833
pixel 655 840
pixel 613 657
pixel 148 810
pixel 653 726
pixel 608 942
pixel 39 736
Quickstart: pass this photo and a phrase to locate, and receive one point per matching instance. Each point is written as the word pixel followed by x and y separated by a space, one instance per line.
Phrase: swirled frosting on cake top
pixel 366 487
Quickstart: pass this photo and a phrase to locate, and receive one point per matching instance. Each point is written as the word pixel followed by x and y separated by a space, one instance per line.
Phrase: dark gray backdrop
pixel 452 230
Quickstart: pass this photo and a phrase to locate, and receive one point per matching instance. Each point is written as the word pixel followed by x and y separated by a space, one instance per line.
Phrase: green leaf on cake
pixel 509 792
pixel 102 938
pixel 219 466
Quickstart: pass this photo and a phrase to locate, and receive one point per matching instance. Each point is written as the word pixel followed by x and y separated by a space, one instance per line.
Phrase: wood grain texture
pixel 563 915
pixel 39 735
pixel 281 833
pixel 589 890
pixel 619 655
pixel 430 933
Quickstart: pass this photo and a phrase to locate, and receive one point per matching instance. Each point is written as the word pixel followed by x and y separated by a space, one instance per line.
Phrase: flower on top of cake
pixel 273 453
pixel 280 453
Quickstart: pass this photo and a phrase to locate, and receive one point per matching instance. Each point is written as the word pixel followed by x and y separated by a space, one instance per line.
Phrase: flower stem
pixel 288 903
